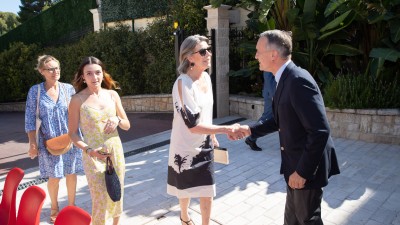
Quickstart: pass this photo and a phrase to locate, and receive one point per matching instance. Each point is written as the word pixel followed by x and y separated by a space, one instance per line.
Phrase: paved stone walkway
pixel 250 189
pixel 14 141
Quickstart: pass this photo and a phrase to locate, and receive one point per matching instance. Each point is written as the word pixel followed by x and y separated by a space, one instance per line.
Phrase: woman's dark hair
pixel 78 82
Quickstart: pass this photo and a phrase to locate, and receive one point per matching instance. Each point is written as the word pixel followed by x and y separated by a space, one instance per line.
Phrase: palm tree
pixel 179 161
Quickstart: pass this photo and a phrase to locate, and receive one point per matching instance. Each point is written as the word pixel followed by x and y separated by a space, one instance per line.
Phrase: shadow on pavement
pixel 14 141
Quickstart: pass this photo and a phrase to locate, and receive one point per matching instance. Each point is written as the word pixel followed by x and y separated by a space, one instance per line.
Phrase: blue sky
pixel 10 6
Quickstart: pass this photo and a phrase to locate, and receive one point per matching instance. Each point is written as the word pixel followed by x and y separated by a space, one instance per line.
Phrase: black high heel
pixel 188 222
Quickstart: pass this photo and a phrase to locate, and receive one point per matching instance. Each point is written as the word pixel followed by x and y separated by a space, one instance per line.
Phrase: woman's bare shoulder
pixel 77 98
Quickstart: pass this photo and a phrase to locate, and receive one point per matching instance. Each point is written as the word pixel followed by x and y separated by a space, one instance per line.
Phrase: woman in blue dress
pixel 53 101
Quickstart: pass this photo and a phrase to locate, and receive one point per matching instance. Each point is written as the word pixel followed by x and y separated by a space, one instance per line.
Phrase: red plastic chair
pixel 30 206
pixel 72 215
pixel 8 214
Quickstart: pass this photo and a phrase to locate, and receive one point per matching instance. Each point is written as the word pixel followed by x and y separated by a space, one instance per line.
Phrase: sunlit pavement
pixel 250 189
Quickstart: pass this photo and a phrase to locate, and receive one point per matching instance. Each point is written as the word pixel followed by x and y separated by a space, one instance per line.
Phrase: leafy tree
pixel 31 8
pixel 142 62
pixel 371 26
pixel 8 21
pixel 332 37
pixel 190 15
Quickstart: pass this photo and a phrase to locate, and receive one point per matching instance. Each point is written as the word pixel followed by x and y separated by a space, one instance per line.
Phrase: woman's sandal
pixel 187 222
pixel 53 215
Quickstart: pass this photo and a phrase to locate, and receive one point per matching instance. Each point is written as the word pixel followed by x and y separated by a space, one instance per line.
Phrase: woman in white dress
pixel 190 164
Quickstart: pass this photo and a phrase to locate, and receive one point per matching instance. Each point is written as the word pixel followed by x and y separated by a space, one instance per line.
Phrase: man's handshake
pixel 238 132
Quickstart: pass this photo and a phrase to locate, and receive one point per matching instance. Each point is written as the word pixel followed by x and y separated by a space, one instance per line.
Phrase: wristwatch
pixel 88 150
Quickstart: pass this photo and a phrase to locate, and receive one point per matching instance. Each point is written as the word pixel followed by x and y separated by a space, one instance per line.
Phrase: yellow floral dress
pixel 92 126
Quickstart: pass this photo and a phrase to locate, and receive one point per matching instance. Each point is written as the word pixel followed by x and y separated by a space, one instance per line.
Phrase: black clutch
pixel 112 181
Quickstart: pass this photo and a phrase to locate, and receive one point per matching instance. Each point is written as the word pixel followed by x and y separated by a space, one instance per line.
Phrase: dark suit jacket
pixel 304 133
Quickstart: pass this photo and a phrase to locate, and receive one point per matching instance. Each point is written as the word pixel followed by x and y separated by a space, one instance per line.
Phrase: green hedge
pixel 17 71
pixel 361 92
pixel 143 62
pixel 112 10
pixel 120 59
pixel 54 25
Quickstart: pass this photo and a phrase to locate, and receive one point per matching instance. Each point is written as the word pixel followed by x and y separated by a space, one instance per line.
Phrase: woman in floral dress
pixel 53 112
pixel 98 111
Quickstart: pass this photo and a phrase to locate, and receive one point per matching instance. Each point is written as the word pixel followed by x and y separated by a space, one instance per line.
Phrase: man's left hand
pixel 296 181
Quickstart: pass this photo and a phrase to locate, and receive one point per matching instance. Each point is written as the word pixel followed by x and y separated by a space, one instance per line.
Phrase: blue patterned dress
pixel 54 116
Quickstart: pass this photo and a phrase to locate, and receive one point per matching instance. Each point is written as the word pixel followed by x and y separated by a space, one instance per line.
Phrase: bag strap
pixel 37 102
pixel 37 114
pixel 109 166
pixel 65 94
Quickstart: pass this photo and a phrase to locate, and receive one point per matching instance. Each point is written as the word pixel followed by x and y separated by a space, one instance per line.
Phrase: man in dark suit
pixel 307 150
pixel 268 93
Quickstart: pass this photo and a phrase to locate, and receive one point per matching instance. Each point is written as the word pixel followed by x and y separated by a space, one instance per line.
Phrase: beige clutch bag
pixel 221 155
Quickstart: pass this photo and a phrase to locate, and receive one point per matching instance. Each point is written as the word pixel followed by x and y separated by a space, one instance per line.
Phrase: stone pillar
pixel 218 19
pixel 97 21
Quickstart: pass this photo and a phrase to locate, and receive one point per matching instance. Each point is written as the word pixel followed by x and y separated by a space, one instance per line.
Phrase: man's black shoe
pixel 252 145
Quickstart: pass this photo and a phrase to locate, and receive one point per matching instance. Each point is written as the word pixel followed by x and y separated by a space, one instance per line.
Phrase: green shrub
pixel 17 72
pixel 143 62
pixel 158 44
pixel 361 92
pixel 190 15
pixel 132 9
pixel 245 77
pixel 64 22
pixel 70 57
pixel 121 51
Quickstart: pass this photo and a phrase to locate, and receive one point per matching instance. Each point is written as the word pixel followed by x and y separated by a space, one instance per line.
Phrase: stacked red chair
pixel 30 206
pixel 7 205
pixel 72 215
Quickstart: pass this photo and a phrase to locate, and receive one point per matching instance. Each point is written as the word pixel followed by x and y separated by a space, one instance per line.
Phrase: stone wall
pixel 137 103
pixel 248 107
pixel 12 107
pixel 371 125
pixel 148 103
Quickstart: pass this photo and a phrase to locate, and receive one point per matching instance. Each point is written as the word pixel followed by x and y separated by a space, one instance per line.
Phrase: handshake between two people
pixel 238 132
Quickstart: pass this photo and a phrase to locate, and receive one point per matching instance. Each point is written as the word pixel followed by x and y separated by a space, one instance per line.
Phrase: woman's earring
pixel 84 81
pixel 191 65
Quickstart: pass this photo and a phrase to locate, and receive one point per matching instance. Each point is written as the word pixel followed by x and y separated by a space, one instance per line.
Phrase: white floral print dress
pixel 190 163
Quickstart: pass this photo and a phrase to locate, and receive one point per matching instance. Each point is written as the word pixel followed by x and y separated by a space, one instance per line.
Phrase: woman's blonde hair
pixel 187 48
pixel 43 59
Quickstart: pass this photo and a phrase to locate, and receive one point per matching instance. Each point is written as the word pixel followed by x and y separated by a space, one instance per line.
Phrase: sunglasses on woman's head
pixel 203 51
